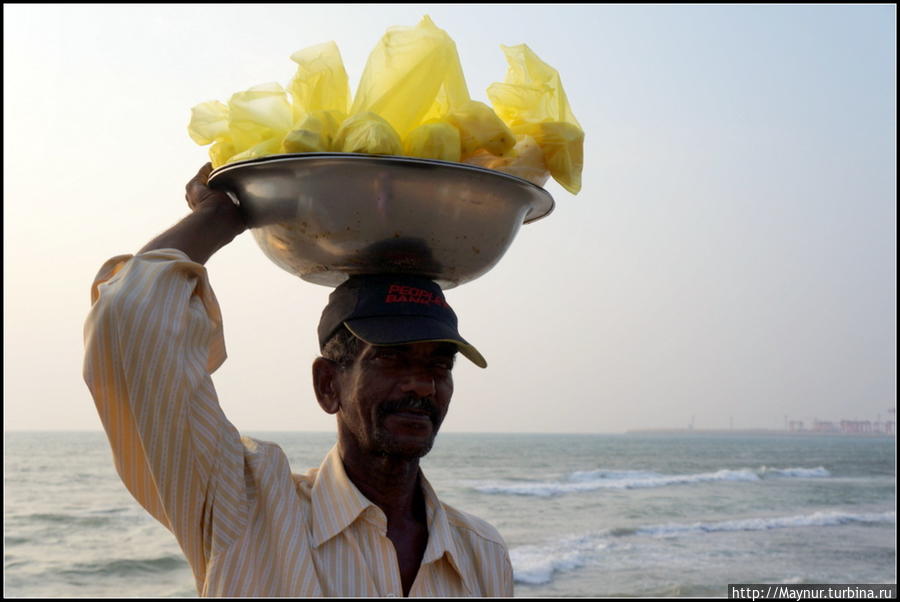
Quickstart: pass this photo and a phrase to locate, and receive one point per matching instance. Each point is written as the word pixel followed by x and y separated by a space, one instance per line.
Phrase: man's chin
pixel 404 446
pixel 405 435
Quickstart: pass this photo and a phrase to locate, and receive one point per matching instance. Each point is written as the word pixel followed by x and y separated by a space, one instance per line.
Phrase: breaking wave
pixel 816 519
pixel 537 564
pixel 128 567
pixel 592 480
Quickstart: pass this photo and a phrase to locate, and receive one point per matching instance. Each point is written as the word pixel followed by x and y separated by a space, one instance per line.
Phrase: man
pixel 366 522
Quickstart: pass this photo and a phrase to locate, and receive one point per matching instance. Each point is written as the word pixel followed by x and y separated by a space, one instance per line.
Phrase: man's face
pixel 394 398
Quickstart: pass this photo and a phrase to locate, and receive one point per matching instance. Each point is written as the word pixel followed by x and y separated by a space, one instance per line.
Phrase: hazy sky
pixel 732 255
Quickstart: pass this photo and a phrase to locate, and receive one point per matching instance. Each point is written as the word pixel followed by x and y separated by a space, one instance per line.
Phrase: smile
pixel 412 415
pixel 410 419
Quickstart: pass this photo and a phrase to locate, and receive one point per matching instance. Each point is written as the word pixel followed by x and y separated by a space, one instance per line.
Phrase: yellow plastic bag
pixel 269 146
pixel 209 122
pixel 367 133
pixel 320 98
pixel 221 152
pixel 480 128
pixel 434 139
pixel 252 124
pixel 320 82
pixel 525 160
pixel 562 145
pixel 532 102
pixel 413 75
pixel 315 133
pixel 259 118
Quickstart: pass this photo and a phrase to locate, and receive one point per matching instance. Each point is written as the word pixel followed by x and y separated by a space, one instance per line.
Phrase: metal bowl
pixel 326 216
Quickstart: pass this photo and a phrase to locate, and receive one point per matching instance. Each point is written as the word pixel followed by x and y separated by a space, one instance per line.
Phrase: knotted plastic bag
pixel 314 133
pixel 258 120
pixel 525 160
pixel 368 133
pixel 480 128
pixel 209 122
pixel 252 125
pixel 320 82
pixel 267 120
pixel 413 75
pixel 533 103
pixel 434 139
pixel 320 93
pixel 562 146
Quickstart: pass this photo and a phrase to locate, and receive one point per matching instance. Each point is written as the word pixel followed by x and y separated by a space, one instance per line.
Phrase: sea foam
pixel 592 480
pixel 816 519
pixel 803 473
pixel 538 564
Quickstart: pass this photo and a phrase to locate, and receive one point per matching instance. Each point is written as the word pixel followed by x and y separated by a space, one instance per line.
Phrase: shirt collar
pixel 440 536
pixel 337 503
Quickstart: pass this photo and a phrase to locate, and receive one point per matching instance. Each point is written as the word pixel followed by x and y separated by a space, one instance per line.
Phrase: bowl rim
pixel 541 205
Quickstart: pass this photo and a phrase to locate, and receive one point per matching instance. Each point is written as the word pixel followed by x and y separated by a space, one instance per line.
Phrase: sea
pixel 583 515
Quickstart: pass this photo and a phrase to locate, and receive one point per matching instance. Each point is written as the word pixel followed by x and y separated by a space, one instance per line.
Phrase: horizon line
pixel 643 430
pixel 334 432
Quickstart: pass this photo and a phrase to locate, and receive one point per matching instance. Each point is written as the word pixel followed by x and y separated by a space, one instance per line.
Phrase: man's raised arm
pixel 153 338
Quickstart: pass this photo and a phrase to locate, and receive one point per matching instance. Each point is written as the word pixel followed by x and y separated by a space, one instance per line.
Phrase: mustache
pixel 410 402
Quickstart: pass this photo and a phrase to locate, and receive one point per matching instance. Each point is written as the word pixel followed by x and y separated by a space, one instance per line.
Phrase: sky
pixel 729 262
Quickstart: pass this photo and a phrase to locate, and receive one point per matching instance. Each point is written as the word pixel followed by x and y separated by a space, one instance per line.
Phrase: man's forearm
pixel 201 233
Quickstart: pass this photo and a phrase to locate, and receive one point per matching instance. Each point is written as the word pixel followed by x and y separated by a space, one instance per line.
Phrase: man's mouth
pixel 418 409
pixel 413 413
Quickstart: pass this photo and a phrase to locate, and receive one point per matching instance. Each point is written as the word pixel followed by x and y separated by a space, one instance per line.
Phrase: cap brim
pixel 402 330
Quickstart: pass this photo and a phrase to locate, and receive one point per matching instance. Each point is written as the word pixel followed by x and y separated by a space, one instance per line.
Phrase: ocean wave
pixel 802 473
pixel 592 480
pixel 537 564
pixel 9 540
pixel 128 567
pixel 581 476
pixel 100 520
pixel 816 519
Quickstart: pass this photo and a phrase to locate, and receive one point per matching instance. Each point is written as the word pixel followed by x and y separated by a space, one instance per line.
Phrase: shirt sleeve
pixel 506 576
pixel 152 338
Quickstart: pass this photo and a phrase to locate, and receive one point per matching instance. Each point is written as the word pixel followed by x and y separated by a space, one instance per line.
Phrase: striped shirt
pixel 247 525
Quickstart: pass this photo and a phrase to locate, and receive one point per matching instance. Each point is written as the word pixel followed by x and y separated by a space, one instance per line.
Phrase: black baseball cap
pixel 394 310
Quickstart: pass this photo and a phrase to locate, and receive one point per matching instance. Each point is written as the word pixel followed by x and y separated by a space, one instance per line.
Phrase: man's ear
pixel 325 383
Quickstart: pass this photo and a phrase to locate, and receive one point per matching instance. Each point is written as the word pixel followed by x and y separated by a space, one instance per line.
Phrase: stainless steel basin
pixel 325 216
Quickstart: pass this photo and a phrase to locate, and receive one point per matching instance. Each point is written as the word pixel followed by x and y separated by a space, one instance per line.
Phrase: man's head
pixel 388 347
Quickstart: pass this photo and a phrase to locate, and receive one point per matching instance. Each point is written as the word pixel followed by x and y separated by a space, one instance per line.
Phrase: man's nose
pixel 419 382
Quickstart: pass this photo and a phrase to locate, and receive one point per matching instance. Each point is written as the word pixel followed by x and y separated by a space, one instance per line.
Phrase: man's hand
pixel 213 223
pixel 198 194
